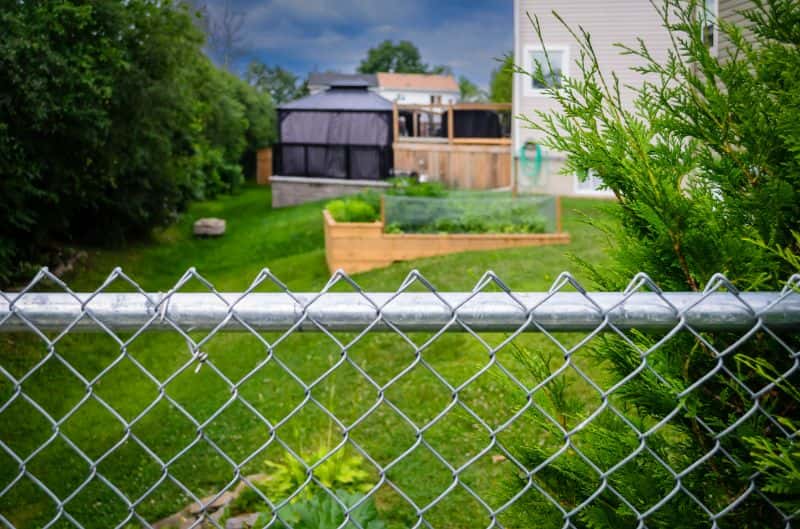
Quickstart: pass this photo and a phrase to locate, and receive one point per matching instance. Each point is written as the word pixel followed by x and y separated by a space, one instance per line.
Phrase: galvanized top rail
pixel 405 311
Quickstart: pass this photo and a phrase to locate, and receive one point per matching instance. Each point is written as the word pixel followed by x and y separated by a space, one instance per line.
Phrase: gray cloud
pixel 322 34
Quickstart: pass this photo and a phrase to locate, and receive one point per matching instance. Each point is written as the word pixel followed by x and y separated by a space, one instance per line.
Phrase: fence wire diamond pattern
pixel 525 407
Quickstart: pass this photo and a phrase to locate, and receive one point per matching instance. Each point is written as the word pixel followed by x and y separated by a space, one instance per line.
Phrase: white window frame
pixel 528 88
pixel 594 192
pixel 715 25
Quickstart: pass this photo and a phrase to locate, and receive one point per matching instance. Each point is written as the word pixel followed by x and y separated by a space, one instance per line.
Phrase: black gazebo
pixel 344 132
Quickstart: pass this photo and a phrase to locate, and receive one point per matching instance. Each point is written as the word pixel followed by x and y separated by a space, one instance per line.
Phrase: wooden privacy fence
pixel 458 166
pixel 263 165
pixel 437 151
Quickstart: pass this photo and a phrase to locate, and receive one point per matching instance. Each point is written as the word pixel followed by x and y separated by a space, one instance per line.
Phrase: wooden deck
pixel 461 163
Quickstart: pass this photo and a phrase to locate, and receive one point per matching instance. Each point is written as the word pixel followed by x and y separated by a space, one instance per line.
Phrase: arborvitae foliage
pixel 706 167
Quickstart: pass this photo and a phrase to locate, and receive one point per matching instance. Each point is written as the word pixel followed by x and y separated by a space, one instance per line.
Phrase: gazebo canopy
pixel 344 132
pixel 345 95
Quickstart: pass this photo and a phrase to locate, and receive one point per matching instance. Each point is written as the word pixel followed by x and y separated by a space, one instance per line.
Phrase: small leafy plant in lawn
pixel 322 511
pixel 339 472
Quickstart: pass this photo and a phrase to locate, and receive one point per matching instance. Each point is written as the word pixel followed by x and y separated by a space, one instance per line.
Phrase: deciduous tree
pixel 469 91
pixel 111 120
pixel 403 57
pixel 281 84
pixel 501 82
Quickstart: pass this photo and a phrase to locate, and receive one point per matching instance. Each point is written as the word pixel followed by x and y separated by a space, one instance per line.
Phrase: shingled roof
pixel 336 78
pixel 342 96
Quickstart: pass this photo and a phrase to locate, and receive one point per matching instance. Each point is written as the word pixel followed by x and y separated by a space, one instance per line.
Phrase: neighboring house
pixel 611 22
pixel 321 81
pixel 608 23
pixel 418 89
pixel 403 88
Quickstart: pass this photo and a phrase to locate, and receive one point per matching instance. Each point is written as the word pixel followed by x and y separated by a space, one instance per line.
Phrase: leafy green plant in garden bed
pixel 465 214
pixel 365 207
pixel 409 187
pixel 352 210
pixel 425 207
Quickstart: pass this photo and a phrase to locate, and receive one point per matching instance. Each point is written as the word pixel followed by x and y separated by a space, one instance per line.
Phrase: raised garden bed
pixel 360 246
pixel 414 220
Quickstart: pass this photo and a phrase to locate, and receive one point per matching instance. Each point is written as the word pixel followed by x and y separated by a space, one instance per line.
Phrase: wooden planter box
pixel 360 246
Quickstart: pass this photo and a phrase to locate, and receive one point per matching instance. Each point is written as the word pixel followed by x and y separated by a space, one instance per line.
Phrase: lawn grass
pixel 290 243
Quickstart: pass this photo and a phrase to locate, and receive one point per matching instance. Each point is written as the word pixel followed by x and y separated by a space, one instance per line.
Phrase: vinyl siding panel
pixel 608 22
pixel 731 12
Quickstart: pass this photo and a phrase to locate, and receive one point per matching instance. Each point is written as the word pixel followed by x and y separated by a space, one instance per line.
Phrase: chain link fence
pixel 412 408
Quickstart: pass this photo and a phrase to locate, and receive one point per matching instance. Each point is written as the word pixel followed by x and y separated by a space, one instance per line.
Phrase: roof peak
pixel 349 84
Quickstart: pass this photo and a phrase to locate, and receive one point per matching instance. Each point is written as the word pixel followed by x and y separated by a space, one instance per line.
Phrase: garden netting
pixel 470 213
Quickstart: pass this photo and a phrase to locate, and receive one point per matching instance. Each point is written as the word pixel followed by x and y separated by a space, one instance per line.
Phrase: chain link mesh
pixel 115 413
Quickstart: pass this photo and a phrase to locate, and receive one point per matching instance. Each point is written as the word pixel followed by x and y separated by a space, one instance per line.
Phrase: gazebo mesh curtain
pixel 335 144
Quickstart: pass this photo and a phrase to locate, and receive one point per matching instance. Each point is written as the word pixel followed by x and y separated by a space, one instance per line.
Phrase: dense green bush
pixel 111 120
pixel 706 169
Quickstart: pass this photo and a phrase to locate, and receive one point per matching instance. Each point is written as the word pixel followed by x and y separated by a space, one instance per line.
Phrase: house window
pixel 709 20
pixel 554 70
pixel 591 185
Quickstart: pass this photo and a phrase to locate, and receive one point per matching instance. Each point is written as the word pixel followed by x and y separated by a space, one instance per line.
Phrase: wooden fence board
pixel 457 166
pixel 263 166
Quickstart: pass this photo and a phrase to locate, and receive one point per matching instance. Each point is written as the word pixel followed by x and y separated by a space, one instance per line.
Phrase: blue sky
pixel 304 35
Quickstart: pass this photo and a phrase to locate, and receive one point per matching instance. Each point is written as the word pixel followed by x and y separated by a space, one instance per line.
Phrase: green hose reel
pixel 530 162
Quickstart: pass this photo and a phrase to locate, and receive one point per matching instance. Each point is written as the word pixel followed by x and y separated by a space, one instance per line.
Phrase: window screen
pixel 553 72
pixel 591 184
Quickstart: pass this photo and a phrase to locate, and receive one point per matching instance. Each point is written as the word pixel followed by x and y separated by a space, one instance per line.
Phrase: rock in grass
pixel 209 227
pixel 176 520
pixel 255 479
pixel 207 505
pixel 244 521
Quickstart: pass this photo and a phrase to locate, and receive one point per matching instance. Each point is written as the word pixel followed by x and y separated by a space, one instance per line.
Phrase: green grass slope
pixel 177 415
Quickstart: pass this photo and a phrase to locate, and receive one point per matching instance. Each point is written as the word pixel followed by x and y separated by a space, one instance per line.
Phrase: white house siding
pixel 608 22
pixel 731 12
pixel 417 97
